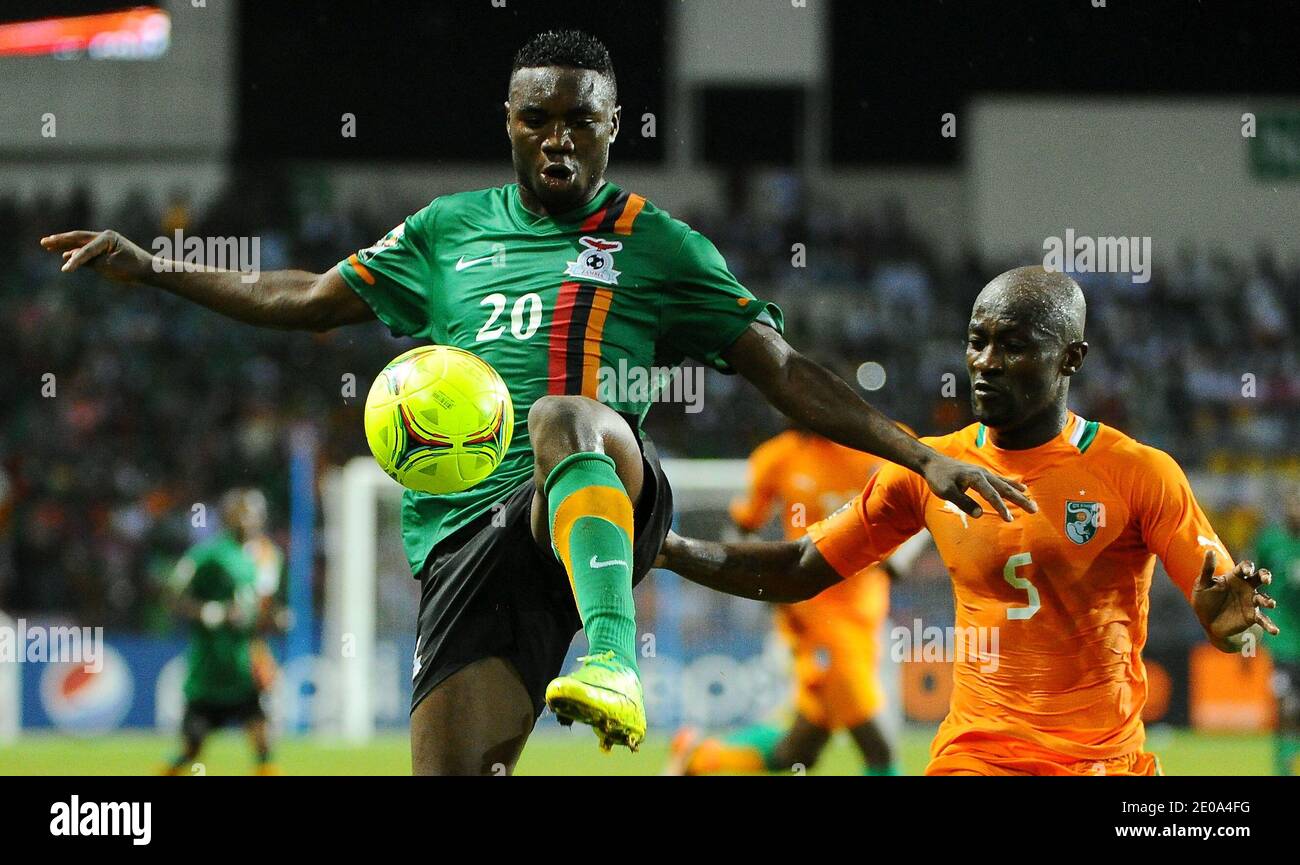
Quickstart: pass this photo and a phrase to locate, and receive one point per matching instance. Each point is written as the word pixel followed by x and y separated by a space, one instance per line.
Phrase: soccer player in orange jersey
pixel 833 637
pixel 1065 587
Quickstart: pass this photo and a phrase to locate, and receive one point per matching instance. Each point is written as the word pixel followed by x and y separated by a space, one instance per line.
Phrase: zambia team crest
pixel 1082 520
pixel 596 261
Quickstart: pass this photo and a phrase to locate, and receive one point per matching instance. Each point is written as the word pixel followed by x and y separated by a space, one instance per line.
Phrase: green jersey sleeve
pixel 396 275
pixel 705 308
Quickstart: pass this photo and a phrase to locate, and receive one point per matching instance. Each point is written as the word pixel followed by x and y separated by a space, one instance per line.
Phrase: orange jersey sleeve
pixel 1171 521
pixel 885 514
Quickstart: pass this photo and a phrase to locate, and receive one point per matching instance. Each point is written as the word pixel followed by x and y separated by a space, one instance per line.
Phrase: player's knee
pixel 552 414
pixel 560 425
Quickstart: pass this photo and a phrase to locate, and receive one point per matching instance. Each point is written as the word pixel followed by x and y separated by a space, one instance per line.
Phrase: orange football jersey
pixel 1065 590
pixel 810 477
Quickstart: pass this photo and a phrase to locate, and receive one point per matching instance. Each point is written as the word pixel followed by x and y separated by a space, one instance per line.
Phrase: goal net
pixel 707 659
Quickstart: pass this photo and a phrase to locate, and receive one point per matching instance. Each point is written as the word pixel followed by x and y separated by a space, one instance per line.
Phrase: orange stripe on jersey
pixel 366 276
pixel 630 213
pixel 592 344
pixel 609 217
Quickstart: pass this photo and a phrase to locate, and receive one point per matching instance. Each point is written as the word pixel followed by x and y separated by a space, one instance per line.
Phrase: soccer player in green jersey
pixel 553 279
pixel 219 587
pixel 1279 547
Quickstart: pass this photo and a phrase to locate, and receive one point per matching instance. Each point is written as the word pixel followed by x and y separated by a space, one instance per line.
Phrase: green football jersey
pixel 220 666
pixel 1279 551
pixel 558 305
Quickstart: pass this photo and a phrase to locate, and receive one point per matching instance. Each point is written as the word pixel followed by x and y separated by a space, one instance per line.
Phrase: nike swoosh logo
pixel 595 565
pixel 463 264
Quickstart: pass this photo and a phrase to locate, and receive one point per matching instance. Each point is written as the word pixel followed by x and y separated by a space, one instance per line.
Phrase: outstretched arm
pixel 289 299
pixel 1228 599
pixel 778 572
pixel 817 398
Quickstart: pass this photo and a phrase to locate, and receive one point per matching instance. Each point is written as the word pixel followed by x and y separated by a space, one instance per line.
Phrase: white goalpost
pixel 11 692
pixel 350 499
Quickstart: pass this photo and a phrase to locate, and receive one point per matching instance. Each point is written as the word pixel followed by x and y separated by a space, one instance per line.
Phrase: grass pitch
pixel 551 752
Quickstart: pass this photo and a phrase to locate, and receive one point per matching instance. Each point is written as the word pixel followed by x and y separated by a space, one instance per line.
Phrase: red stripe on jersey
pixel 593 222
pixel 556 369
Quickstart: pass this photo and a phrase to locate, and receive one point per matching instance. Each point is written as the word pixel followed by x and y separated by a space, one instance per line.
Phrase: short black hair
pixel 575 49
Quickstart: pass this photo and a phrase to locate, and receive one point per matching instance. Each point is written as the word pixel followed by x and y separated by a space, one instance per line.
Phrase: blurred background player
pixel 1065 588
pixel 1279 546
pixel 833 637
pixel 225 587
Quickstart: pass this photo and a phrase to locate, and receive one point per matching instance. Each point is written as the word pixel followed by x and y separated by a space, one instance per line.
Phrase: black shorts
pixel 202 717
pixel 489 591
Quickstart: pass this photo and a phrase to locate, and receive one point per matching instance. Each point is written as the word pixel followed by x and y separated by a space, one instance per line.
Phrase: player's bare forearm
pixel 287 299
pixel 817 398
pixel 811 395
pixel 781 573
pixel 275 299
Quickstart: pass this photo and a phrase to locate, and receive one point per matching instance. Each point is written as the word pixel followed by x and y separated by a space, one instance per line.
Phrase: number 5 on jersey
pixel 1022 583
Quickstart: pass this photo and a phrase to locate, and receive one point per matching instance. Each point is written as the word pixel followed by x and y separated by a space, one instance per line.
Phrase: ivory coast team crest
pixel 1082 519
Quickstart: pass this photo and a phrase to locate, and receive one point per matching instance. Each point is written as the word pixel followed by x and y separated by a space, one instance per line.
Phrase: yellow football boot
pixel 605 695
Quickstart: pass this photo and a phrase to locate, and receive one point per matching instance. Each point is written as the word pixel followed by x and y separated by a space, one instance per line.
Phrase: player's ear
pixel 615 121
pixel 506 106
pixel 1075 352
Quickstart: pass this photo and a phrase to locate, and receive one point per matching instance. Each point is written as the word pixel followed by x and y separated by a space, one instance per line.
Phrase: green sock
pixel 591 532
pixel 763 738
pixel 888 770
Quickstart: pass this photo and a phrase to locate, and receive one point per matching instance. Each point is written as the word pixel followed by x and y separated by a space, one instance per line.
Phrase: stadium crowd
pixel 125 407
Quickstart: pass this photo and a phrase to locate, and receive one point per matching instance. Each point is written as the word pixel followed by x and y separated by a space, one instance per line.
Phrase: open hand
pixel 950 479
pixel 1229 604
pixel 108 252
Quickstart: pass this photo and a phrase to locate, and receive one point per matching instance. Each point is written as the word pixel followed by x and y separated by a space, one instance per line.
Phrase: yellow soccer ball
pixel 439 419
